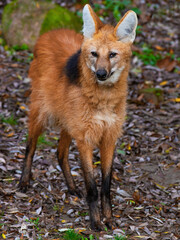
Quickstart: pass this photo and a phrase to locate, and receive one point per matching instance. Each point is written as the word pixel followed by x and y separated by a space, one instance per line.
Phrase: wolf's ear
pixel 125 30
pixel 91 22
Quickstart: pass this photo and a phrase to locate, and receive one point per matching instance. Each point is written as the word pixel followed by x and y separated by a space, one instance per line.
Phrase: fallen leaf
pixel 123 193
pixel 22 107
pixel 167 63
pixel 178 165
pixel 10 134
pixel 141 236
pixel 159 186
pixel 163 83
pixel 128 147
pixel 137 197
pixel 4 236
pixel 21 195
pixel 177 100
pixel 159 48
pixel 116 177
pixel 63 229
pixel 98 162
pixel 38 211
pixel 21 156
pixel 121 151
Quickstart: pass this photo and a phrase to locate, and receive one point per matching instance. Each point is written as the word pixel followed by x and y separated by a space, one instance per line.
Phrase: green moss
pixel 60 18
pixel 8 10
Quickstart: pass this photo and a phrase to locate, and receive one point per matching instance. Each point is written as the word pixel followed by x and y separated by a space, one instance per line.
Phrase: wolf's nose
pixel 101 74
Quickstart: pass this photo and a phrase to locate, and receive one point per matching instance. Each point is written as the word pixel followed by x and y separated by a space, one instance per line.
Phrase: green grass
pixel 42 140
pixel 72 235
pixel 9 120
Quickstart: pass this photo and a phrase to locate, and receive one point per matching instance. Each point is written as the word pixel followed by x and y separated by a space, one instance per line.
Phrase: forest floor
pixel 145 188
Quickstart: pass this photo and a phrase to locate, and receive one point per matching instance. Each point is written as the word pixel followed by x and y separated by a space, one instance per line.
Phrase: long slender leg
pixel 62 154
pixel 35 129
pixel 91 188
pixel 106 150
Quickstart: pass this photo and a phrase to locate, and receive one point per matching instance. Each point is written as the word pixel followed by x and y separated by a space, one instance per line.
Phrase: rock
pixel 23 21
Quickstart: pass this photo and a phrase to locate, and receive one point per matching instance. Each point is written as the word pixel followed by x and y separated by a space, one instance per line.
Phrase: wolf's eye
pixel 112 54
pixel 94 54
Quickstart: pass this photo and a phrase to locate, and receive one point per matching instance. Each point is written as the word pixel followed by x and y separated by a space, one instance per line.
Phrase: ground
pixel 146 171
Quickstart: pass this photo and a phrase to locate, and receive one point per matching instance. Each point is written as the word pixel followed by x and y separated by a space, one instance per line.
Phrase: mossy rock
pixel 23 21
pixel 59 17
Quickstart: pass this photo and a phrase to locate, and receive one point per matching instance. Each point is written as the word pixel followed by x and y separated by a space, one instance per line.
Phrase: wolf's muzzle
pixel 101 74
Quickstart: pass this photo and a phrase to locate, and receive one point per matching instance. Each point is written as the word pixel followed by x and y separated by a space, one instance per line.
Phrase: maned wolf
pixel 79 83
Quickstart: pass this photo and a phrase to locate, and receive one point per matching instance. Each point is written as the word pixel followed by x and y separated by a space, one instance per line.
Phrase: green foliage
pixel 72 235
pixel 116 7
pixel 20 48
pixel 163 204
pixel 42 141
pixel 56 208
pixel 35 222
pixel 13 51
pixel 148 56
pixel 131 202
pixel 1 213
pixel 139 29
pixel 2 42
pixel 120 237
pixel 83 214
pixel 30 57
pixel 9 120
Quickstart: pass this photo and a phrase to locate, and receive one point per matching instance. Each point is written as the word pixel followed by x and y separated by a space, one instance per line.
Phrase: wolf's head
pixel 107 49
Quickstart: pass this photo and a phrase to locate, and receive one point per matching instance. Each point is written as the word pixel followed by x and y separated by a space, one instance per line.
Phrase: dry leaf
pixel 167 63
pixel 159 48
pixel 163 83
pixel 10 134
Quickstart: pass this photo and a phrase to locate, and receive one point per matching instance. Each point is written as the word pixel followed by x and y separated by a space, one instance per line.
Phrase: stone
pixel 23 21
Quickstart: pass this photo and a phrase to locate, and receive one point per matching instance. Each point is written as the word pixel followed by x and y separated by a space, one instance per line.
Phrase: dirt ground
pixel 146 171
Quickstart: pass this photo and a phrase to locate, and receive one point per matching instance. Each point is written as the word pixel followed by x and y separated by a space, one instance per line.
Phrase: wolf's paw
pixel 24 183
pixel 76 192
pixel 110 224
pixel 97 226
pixel 23 186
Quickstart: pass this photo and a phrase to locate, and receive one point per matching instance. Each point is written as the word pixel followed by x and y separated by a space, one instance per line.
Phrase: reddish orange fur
pixel 74 107
pixel 91 113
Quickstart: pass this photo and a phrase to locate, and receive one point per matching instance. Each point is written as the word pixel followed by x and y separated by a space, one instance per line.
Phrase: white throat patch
pixel 105 117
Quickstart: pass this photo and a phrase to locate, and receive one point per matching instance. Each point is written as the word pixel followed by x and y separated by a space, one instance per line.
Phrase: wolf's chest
pixel 105 118
pixel 101 122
